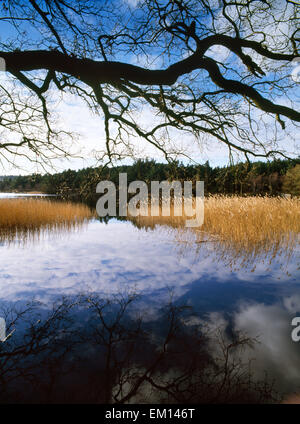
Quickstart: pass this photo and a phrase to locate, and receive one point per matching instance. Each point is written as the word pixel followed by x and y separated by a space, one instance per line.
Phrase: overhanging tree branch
pixel 189 89
pixel 93 72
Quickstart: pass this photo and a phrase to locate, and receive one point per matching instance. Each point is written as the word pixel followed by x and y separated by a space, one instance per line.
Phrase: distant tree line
pixel 256 178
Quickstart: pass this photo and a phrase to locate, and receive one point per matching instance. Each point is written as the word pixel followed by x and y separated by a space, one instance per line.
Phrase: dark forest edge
pixel 256 178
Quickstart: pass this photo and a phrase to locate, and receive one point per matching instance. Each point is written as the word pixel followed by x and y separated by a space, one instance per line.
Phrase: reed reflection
pixel 237 229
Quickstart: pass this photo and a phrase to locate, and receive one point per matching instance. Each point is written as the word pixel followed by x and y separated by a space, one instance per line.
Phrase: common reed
pixel 240 226
pixel 252 221
pixel 24 219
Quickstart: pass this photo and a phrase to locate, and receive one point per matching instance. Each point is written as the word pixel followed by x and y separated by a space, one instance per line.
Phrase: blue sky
pixel 73 114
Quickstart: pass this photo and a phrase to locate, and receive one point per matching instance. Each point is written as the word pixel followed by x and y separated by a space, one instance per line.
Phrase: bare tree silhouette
pixel 214 69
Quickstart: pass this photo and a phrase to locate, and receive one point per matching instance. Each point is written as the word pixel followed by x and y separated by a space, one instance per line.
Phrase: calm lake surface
pixel 258 296
pixel 17 195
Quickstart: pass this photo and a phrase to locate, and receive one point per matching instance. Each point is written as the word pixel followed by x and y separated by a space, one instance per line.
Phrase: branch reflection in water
pixel 95 349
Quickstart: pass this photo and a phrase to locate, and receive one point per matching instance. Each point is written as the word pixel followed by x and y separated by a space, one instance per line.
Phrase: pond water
pixel 258 296
pixel 16 195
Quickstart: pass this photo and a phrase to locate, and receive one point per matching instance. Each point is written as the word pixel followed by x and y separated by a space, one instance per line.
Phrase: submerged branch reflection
pixel 110 354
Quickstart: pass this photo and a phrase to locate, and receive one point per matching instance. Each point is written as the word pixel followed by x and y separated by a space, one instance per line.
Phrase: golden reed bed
pixel 25 219
pixel 236 226
pixel 252 220
pixel 240 225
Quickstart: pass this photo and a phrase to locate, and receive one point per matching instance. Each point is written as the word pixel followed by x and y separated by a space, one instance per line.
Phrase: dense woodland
pixel 257 178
